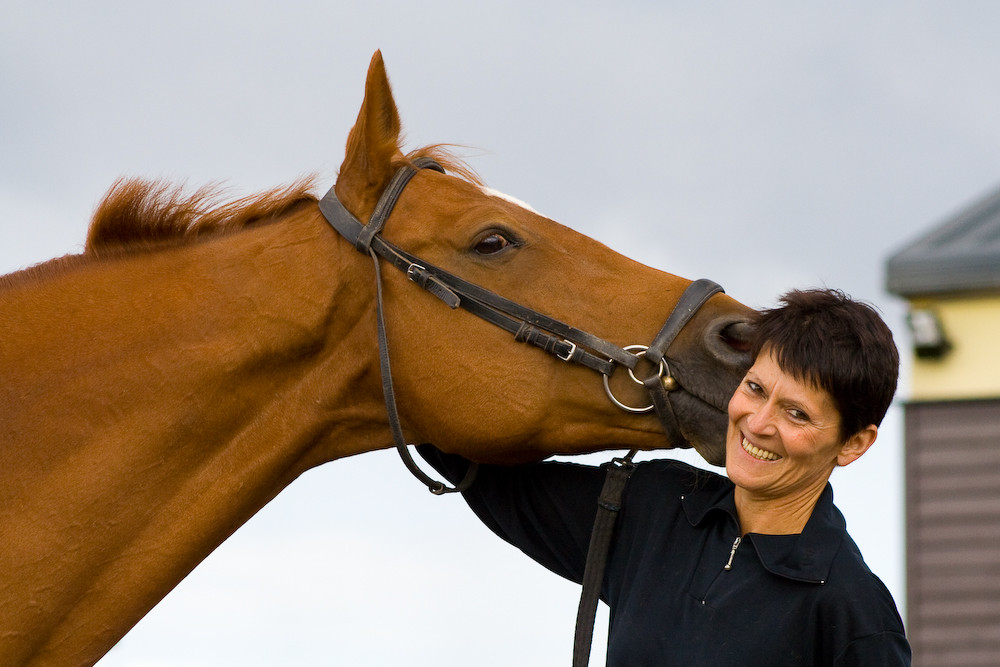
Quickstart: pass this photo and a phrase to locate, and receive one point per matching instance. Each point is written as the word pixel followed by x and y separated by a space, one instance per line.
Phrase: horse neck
pixel 152 404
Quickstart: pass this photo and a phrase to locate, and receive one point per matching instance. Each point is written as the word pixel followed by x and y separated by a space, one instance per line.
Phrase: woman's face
pixel 784 435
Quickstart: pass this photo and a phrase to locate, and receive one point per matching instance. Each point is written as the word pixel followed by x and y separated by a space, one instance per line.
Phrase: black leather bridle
pixel 529 326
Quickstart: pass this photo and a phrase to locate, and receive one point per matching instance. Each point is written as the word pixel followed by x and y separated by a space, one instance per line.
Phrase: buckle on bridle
pixel 568 356
pixel 421 276
pixel 414 270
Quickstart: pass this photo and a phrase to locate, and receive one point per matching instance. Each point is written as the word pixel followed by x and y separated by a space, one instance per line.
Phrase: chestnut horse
pixel 162 387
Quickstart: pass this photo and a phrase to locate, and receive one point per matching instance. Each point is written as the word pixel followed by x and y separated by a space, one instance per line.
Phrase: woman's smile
pixel 758 453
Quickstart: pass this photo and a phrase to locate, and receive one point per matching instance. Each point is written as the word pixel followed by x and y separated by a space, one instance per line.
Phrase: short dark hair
pixel 825 338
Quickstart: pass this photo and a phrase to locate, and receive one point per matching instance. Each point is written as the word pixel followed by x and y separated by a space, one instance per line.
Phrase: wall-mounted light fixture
pixel 929 339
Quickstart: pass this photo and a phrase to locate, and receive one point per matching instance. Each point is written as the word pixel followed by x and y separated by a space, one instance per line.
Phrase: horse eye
pixel 492 244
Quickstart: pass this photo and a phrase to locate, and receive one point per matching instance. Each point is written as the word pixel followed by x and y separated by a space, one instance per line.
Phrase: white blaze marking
pixel 512 200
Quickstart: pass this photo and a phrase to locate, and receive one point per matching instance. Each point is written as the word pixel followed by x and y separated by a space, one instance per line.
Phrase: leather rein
pixel 565 342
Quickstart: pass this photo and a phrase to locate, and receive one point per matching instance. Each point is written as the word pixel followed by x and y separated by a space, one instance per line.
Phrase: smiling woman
pixel 824 376
pixel 754 569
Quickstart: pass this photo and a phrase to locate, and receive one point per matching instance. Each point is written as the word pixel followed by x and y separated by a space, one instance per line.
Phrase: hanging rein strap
pixel 609 503
pixel 608 506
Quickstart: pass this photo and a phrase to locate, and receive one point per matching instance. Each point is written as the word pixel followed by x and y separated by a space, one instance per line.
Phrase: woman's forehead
pixel 791 386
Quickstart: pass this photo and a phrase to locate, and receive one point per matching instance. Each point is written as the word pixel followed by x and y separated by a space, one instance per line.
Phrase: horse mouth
pixel 703 423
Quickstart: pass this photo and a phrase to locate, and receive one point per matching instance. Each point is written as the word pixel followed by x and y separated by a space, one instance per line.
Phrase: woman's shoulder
pixel 853 587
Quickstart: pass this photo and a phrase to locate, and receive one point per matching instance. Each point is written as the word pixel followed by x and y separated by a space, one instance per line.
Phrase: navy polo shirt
pixel 805 599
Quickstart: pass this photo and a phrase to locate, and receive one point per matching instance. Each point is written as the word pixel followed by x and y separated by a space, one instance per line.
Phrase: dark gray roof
pixel 962 254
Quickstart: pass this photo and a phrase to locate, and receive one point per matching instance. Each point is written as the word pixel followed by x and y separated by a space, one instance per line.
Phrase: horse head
pixel 463 383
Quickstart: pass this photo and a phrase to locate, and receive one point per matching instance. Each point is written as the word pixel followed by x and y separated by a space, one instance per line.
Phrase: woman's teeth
pixel 758 453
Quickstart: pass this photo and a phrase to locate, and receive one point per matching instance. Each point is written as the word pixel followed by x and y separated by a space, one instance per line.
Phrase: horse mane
pixel 139 215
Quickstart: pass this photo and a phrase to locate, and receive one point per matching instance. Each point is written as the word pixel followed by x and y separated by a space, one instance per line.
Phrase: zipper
pixel 732 554
pixel 728 566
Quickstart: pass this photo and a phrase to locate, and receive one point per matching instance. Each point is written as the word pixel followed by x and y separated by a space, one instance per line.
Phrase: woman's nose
pixel 761 420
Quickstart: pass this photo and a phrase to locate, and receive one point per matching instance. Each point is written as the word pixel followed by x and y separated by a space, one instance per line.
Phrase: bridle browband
pixel 529 326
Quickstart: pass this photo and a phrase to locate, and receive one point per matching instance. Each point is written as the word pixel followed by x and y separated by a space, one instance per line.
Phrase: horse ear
pixel 371 145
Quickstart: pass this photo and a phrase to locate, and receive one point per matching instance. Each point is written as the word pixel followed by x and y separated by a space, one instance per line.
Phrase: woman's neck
pixel 784 515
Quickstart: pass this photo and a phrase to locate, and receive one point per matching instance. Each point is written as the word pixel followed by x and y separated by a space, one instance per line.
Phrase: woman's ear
pixel 857 445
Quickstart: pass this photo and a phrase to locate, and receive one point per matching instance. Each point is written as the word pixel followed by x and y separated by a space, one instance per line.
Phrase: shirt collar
pixel 806 556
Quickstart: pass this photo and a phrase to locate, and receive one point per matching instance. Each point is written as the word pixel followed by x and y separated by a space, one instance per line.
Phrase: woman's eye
pixel 798 415
pixel 754 387
pixel 492 244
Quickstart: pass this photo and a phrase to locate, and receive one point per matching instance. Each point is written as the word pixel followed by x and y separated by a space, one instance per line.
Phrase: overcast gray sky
pixel 765 145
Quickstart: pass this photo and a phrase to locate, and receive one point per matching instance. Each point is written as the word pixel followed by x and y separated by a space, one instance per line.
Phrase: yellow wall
pixel 972 368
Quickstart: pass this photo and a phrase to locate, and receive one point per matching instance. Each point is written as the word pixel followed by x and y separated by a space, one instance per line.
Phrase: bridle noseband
pixel 529 326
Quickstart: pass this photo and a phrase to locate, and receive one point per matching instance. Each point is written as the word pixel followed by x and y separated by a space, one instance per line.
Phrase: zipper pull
pixel 732 554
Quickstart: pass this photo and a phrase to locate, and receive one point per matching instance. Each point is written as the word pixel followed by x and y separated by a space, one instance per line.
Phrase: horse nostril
pixel 737 336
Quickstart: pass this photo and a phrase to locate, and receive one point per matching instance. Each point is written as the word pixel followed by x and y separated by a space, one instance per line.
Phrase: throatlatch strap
pixel 608 506
pixel 395 426
pixel 365 239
